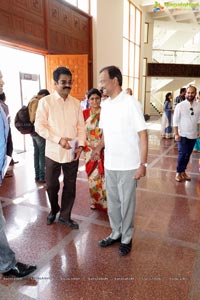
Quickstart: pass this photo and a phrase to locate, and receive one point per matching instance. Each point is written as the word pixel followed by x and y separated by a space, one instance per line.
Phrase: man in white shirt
pixel 126 145
pixel 59 120
pixel 185 120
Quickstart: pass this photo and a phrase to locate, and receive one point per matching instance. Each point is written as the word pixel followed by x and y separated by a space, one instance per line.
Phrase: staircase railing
pixel 156 103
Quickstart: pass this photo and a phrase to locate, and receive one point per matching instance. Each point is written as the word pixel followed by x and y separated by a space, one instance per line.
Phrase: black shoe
pixel 51 217
pixel 20 270
pixel 124 249
pixel 108 242
pixel 72 224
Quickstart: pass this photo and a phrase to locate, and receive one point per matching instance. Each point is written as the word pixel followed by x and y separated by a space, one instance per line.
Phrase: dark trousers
pixel 185 148
pixel 53 171
pixel 9 146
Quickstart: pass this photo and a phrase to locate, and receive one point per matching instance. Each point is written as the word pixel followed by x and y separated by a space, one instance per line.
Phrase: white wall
pixel 107 34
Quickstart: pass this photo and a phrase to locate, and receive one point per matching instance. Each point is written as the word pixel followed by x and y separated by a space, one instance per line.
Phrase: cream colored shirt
pixel 56 118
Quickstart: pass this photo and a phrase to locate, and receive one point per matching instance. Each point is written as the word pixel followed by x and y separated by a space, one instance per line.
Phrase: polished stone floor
pixel 165 259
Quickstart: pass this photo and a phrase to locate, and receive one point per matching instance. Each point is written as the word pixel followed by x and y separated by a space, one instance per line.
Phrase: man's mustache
pixel 67 87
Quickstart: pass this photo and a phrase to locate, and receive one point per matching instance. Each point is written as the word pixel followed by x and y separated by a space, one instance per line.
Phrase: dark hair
pixel 43 92
pixel 92 92
pixel 113 72
pixel 182 90
pixel 2 96
pixel 167 96
pixel 60 70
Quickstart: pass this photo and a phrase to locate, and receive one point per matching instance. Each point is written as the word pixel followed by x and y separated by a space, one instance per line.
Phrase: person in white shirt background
pixel 185 121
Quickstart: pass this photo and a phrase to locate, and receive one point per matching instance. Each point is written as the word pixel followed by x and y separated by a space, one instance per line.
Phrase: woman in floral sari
pixel 94 169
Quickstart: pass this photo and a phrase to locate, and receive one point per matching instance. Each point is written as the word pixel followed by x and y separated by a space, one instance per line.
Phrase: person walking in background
pixel 84 103
pixel 8 264
pixel 38 141
pixel 126 146
pixel 166 125
pixel 59 120
pixel 129 91
pixel 94 169
pixel 180 97
pixel 185 121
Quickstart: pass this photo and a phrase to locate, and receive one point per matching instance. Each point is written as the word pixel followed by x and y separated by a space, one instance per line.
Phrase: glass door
pixel 29 87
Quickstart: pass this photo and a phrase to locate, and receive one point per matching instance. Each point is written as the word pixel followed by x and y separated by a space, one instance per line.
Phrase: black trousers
pixel 53 171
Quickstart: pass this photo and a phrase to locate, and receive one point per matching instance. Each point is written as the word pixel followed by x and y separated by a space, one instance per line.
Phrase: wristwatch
pixel 144 164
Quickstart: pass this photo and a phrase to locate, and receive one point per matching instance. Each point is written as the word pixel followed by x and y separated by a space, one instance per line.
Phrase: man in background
pixel 185 121
pixel 38 141
pixel 180 97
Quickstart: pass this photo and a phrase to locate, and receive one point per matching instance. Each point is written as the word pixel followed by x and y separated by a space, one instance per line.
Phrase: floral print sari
pixel 94 169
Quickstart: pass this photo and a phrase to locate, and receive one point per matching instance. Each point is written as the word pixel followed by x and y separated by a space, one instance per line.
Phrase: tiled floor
pixel 164 262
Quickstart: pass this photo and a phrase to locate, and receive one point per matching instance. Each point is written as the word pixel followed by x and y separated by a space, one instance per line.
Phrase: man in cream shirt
pixel 59 120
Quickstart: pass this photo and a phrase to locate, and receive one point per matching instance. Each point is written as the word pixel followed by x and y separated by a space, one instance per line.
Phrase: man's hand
pixel 177 137
pixel 141 172
pixel 64 143
pixel 77 152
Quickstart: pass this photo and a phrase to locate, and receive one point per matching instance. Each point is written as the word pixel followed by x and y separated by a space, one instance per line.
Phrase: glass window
pixel 132 23
pixel 125 82
pixel 131 60
pixel 125 56
pixel 131 46
pixel 137 61
pixel 81 4
pixel 73 2
pixel 138 27
pixel 84 5
pixel 126 19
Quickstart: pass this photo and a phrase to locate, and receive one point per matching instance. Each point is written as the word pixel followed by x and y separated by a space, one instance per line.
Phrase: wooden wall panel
pixel 78 65
pixel 48 26
pixel 22 21
pixel 69 31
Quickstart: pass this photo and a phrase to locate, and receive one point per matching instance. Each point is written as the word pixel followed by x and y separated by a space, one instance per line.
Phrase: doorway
pixel 18 89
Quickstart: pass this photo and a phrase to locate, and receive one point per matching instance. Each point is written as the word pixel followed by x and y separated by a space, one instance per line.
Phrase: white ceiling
pixel 184 11
pixel 175 28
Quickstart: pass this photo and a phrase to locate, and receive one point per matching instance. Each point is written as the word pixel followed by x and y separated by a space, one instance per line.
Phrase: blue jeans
pixel 7 256
pixel 185 148
pixel 39 156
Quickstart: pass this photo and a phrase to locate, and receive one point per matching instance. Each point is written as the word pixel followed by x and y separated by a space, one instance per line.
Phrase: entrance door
pixel 78 65
pixel 28 84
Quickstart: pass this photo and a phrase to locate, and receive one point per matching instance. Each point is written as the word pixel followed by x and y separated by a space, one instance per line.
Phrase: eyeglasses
pixel 191 111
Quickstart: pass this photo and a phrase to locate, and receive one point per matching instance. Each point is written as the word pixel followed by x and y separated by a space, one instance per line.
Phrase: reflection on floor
pixel 164 262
